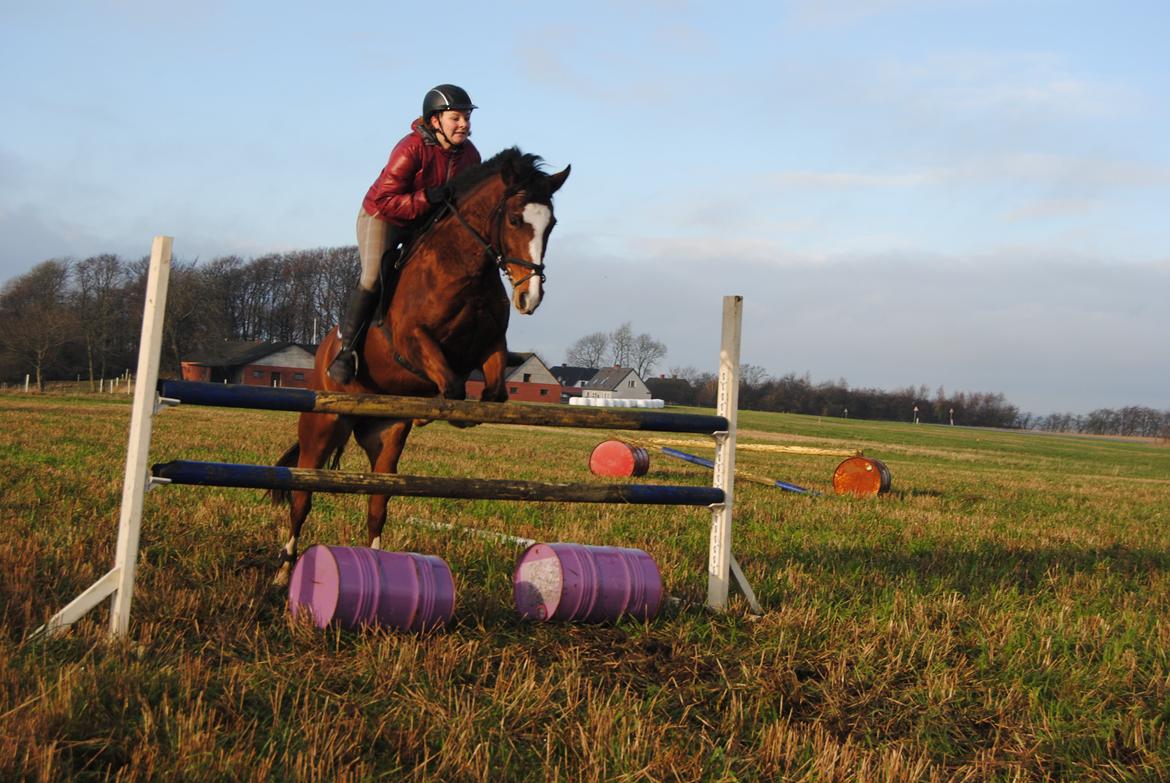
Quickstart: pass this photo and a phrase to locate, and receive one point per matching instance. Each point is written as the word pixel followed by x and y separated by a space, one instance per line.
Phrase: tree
pixel 588 351
pixel 99 302
pixel 646 353
pixel 621 346
pixel 35 319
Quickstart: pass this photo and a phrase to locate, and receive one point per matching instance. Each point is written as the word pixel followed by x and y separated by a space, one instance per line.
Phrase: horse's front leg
pixel 319 435
pixel 436 367
pixel 382 440
pixel 495 389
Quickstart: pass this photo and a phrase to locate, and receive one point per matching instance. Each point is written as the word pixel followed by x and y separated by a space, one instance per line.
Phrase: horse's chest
pixel 471 330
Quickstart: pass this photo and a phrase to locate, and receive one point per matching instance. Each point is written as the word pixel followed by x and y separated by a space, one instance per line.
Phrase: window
pixel 631 384
pixel 299 376
pixel 528 377
pixel 513 390
pixel 257 373
pixel 544 392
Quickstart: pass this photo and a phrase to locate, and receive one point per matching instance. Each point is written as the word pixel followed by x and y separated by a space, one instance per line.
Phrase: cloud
pixel 1052 333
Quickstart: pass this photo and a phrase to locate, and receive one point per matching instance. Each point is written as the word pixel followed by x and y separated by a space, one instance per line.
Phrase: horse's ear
pixel 558 179
pixel 508 173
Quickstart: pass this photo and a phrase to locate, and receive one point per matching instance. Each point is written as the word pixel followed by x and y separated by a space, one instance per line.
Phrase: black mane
pixel 526 171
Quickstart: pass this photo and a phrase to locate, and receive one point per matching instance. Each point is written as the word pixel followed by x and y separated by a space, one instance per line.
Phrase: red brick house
pixel 528 380
pixel 252 363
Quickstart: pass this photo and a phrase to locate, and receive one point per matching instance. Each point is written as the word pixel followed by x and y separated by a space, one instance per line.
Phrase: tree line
pixel 791 393
pixel 68 319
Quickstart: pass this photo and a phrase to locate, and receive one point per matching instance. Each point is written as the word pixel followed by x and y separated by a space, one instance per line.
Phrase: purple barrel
pixel 586 583
pixel 355 587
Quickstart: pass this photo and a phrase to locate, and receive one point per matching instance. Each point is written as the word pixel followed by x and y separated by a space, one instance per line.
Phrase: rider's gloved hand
pixel 439 194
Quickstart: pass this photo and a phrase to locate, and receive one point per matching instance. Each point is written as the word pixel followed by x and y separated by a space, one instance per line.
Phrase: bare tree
pixel 621 345
pixel 35 319
pixel 589 351
pixel 99 303
pixel 646 353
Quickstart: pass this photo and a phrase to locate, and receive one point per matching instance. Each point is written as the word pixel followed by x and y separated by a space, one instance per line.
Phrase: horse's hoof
pixel 421 422
pixel 282 576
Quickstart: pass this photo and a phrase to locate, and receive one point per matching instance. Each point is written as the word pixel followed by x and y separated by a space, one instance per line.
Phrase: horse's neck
pixel 479 211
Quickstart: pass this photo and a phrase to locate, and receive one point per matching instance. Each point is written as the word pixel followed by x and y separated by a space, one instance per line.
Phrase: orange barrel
pixel 618 458
pixel 861 476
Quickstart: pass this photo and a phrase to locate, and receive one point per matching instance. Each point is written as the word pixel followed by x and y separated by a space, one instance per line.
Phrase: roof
pixel 572 376
pixel 514 361
pixel 670 388
pixel 237 353
pixel 668 385
pixel 611 377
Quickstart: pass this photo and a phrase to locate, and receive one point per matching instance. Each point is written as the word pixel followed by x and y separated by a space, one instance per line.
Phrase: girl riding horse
pixel 414 181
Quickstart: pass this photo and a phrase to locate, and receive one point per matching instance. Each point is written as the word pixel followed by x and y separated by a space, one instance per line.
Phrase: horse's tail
pixel 282 497
pixel 289 460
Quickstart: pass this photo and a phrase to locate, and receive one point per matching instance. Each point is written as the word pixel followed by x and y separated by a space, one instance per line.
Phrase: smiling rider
pixel 414 182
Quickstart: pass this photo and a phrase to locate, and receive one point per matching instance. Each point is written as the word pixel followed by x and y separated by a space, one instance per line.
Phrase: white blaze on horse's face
pixel 527 298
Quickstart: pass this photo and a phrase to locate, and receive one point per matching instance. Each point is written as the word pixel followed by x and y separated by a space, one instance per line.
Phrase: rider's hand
pixel 439 194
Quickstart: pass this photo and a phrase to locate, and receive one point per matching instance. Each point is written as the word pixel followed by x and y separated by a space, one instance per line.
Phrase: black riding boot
pixel 357 314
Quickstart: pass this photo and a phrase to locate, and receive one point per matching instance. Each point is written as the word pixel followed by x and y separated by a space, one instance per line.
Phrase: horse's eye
pixel 515 220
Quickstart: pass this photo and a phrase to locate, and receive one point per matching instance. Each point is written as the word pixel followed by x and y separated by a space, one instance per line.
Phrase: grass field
pixel 1002 614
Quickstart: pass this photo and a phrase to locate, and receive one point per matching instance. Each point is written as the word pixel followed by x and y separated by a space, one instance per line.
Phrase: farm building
pixel 252 363
pixel 616 383
pixel 528 380
pixel 572 379
pixel 674 391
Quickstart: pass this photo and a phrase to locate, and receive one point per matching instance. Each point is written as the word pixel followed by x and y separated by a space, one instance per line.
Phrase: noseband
pixel 489 248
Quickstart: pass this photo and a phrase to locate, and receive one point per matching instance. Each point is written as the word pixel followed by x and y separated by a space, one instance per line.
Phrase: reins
pixel 497 256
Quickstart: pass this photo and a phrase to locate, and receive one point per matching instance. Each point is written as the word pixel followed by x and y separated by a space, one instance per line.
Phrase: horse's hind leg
pixel 321 435
pixel 382 440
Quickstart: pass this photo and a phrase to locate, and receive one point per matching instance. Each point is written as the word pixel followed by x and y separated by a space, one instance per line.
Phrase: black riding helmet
pixel 446 97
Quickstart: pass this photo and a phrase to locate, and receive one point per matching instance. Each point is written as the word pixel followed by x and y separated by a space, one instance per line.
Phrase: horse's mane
pixel 527 175
pixel 526 171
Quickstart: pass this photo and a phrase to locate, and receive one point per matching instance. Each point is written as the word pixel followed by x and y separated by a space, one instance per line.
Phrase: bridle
pixel 489 248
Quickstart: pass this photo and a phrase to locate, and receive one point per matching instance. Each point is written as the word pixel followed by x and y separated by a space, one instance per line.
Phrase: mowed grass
pixel 1002 614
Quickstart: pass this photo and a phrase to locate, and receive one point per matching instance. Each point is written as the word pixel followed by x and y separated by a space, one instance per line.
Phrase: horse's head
pixel 525 221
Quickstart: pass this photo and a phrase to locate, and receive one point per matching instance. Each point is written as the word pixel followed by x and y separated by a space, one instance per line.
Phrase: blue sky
pixel 967 194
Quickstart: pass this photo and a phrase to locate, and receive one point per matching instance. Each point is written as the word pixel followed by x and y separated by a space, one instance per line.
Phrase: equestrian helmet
pixel 446 97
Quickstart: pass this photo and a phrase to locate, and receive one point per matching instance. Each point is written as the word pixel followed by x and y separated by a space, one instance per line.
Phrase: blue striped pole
pixel 784 485
pixel 223 474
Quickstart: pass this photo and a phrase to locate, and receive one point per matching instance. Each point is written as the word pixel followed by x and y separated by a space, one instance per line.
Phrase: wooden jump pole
pixel 221 474
pixel 541 415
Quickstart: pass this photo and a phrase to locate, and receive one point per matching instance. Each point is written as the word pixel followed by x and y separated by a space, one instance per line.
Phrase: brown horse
pixel 447 317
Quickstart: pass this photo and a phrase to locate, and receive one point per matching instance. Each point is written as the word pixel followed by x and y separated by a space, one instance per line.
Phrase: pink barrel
pixel 355 587
pixel 618 458
pixel 585 583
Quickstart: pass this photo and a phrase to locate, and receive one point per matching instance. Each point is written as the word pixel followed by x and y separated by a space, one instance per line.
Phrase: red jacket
pixel 417 162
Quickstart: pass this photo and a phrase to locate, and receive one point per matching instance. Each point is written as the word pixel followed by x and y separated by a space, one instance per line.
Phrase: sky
pixel 966 194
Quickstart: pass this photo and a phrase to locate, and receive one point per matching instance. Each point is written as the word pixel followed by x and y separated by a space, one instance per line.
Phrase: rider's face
pixel 455 125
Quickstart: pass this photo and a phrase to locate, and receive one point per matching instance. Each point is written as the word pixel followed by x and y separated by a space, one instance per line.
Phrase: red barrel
pixel 355 587
pixel 585 583
pixel 861 476
pixel 618 458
